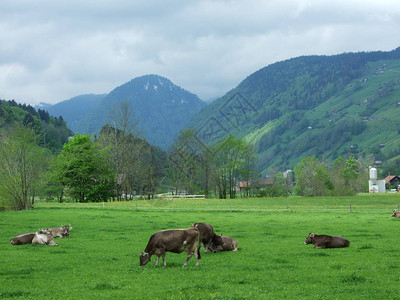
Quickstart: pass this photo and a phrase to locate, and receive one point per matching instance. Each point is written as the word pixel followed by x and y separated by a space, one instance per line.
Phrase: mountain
pixel 74 109
pixel 347 104
pixel 161 107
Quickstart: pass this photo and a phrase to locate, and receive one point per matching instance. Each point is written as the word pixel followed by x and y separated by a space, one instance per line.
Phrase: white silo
pixel 373 174
pixel 375 185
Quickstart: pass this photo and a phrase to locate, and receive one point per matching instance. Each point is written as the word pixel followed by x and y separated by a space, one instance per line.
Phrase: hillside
pixel 52 132
pixel 161 108
pixel 326 106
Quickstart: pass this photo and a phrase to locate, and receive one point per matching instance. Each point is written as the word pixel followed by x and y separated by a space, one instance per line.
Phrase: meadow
pixel 101 259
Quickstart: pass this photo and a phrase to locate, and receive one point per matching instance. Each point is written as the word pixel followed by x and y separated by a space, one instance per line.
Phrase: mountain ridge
pixel 152 99
pixel 277 104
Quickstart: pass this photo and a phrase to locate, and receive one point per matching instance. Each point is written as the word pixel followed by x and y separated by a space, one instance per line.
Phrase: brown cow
pixel 395 214
pixel 228 244
pixel 44 237
pixel 326 241
pixel 61 232
pixel 173 240
pixel 25 238
pixel 207 235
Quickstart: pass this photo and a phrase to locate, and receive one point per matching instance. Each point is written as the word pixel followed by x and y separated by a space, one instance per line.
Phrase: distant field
pixel 101 259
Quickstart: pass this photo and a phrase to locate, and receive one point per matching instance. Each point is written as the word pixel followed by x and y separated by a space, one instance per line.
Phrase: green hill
pixel 347 104
pixel 52 131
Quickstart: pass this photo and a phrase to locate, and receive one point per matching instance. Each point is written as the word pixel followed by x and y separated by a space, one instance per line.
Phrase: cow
pixel 326 241
pixel 25 238
pixel 172 240
pixel 207 235
pixel 44 237
pixel 395 214
pixel 61 232
pixel 228 244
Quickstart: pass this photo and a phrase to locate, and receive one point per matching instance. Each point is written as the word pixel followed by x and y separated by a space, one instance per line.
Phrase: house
pixel 392 182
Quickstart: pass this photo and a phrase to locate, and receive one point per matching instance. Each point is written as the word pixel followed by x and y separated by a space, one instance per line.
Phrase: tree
pixel 233 161
pixel 85 170
pixel 22 163
pixel 312 178
pixel 185 162
pixel 130 156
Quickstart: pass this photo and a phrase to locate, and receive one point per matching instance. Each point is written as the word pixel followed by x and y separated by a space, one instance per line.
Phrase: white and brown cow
pixel 326 241
pixel 21 239
pixel 395 214
pixel 228 244
pixel 62 231
pixel 44 237
pixel 207 235
pixel 172 240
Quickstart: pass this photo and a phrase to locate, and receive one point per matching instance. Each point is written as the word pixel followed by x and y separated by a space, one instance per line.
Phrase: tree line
pixel 117 165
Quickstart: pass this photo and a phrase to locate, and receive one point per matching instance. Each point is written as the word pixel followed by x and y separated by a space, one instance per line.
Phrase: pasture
pixel 101 259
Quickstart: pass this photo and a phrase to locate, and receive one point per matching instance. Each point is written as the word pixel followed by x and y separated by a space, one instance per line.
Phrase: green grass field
pixel 101 259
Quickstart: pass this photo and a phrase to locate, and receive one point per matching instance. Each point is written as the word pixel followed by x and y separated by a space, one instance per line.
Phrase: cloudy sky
pixel 54 50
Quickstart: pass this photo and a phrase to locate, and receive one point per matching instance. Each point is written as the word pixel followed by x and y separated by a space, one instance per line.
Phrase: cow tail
pixel 198 244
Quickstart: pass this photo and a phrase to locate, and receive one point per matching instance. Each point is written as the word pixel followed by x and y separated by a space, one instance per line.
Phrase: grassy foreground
pixel 101 259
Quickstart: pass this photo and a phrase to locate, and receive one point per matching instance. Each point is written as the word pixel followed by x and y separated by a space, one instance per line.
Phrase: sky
pixel 51 51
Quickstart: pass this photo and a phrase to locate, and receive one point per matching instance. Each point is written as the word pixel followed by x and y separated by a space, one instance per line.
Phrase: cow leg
pixel 189 255
pixel 164 262
pixel 156 263
pixel 207 246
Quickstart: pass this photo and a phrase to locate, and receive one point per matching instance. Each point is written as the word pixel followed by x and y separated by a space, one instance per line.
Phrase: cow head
pixel 394 213
pixel 144 258
pixel 65 230
pixel 310 239
pixel 217 240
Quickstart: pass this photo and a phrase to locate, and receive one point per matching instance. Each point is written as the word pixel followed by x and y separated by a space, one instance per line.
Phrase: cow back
pixel 206 231
pixel 229 244
pixel 328 241
pixel 172 240
pixel 25 238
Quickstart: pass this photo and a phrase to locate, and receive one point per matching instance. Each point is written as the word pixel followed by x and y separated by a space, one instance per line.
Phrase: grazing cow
pixel 25 238
pixel 395 214
pixel 61 232
pixel 44 237
pixel 326 241
pixel 228 244
pixel 207 235
pixel 173 240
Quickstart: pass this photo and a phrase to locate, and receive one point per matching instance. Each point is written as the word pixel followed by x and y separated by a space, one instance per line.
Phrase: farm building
pixel 392 182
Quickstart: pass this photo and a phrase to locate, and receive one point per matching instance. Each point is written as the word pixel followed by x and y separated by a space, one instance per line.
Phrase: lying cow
pixel 173 240
pixel 326 241
pixel 25 238
pixel 207 235
pixel 395 214
pixel 44 237
pixel 228 244
pixel 61 232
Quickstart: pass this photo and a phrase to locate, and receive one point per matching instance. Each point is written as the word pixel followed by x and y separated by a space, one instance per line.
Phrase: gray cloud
pixel 54 50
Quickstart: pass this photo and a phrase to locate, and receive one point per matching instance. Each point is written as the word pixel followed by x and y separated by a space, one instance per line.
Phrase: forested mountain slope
pixel 52 132
pixel 347 104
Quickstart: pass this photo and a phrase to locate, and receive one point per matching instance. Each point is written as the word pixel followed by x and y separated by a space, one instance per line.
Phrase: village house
pixel 392 182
